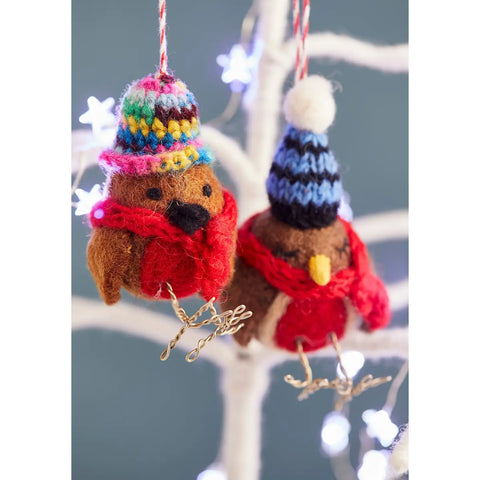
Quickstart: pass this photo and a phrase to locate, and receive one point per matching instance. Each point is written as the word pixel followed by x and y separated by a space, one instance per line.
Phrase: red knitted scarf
pixel 198 263
pixel 367 292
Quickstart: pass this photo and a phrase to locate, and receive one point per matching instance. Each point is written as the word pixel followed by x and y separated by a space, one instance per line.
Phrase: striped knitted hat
pixel 158 129
pixel 304 186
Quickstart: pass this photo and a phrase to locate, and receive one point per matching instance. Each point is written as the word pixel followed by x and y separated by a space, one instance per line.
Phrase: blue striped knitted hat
pixel 304 186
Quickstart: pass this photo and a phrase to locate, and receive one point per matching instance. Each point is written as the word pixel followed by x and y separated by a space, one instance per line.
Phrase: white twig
pixel 386 343
pixel 160 328
pixel 141 322
pixel 244 385
pixel 386 58
pixel 381 227
pixel 251 195
pixel 264 110
pixel 230 154
pixel 398 294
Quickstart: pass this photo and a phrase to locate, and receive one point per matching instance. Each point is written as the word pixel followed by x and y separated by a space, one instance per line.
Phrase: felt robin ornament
pixel 165 216
pixel 301 269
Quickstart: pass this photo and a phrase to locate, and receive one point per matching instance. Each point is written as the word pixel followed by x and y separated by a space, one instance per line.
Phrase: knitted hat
pixel 158 129
pixel 304 186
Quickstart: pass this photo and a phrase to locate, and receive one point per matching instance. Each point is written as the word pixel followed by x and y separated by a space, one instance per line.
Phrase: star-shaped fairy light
pixel 238 67
pixel 87 199
pixel 99 114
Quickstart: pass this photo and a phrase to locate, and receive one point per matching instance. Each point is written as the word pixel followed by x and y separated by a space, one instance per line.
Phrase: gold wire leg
pixel 344 387
pixel 226 323
pixel 309 385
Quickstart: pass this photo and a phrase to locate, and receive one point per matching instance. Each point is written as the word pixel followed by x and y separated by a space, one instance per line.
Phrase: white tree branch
pixel 386 58
pixel 382 227
pixel 398 294
pixel 230 155
pixel 148 324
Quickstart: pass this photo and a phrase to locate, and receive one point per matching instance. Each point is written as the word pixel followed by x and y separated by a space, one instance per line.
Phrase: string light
pixel 238 67
pixel 334 434
pixel 99 114
pixel 213 472
pixel 352 362
pixel 87 199
pixel 374 465
pixel 380 426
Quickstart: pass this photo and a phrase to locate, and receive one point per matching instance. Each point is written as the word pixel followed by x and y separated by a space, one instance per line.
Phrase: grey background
pixel 136 417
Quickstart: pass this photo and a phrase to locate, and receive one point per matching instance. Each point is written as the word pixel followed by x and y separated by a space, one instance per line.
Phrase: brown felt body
pixel 250 288
pixel 114 257
pixel 296 247
pixel 186 186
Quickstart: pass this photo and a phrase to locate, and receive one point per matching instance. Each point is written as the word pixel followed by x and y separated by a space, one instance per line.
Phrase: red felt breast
pixel 311 321
pixel 166 262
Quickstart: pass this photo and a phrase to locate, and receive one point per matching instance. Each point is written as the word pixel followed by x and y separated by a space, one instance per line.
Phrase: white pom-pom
pixel 310 105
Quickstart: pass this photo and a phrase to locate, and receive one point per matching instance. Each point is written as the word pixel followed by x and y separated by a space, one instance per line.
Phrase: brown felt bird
pixel 166 217
pixel 301 269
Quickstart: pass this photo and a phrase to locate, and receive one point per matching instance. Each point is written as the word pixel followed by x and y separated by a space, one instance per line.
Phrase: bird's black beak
pixel 188 216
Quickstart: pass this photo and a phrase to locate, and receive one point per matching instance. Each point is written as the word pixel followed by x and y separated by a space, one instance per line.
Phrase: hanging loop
pixel 301 24
pixel 162 13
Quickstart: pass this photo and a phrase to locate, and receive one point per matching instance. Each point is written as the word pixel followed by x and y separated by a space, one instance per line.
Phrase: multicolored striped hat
pixel 304 186
pixel 158 129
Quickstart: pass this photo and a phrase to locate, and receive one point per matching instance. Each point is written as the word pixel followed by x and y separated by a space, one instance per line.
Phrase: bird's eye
pixel 280 252
pixel 154 193
pixel 207 190
pixel 344 248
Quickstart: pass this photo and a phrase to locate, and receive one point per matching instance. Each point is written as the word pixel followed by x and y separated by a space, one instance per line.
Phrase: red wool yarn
pixel 312 301
pixel 190 263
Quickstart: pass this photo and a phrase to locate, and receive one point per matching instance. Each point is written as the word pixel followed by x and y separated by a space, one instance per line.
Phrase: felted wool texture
pixel 197 185
pixel 108 258
pixel 314 310
pixel 249 288
pixel 155 251
pixel 310 105
pixel 296 246
pixel 311 321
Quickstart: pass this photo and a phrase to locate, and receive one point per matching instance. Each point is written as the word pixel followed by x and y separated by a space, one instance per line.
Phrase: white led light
pixel 374 465
pixel 380 426
pixel 335 430
pixel 213 472
pixel 238 67
pixel 98 114
pixel 352 361
pixel 87 199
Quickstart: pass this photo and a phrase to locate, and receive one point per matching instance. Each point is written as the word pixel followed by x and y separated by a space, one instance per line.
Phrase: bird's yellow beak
pixel 320 269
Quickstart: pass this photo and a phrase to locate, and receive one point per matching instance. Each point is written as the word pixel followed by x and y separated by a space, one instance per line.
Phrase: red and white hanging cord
pixel 301 62
pixel 163 38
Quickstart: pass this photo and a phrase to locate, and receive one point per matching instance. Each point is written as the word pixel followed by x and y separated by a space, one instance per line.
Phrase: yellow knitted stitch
pixel 190 150
pixel 186 128
pixel 171 162
pixel 133 124
pixel 144 127
pixel 174 129
pixel 195 124
pixel 158 128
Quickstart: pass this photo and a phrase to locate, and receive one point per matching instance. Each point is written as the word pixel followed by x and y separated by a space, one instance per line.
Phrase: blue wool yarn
pixel 304 186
